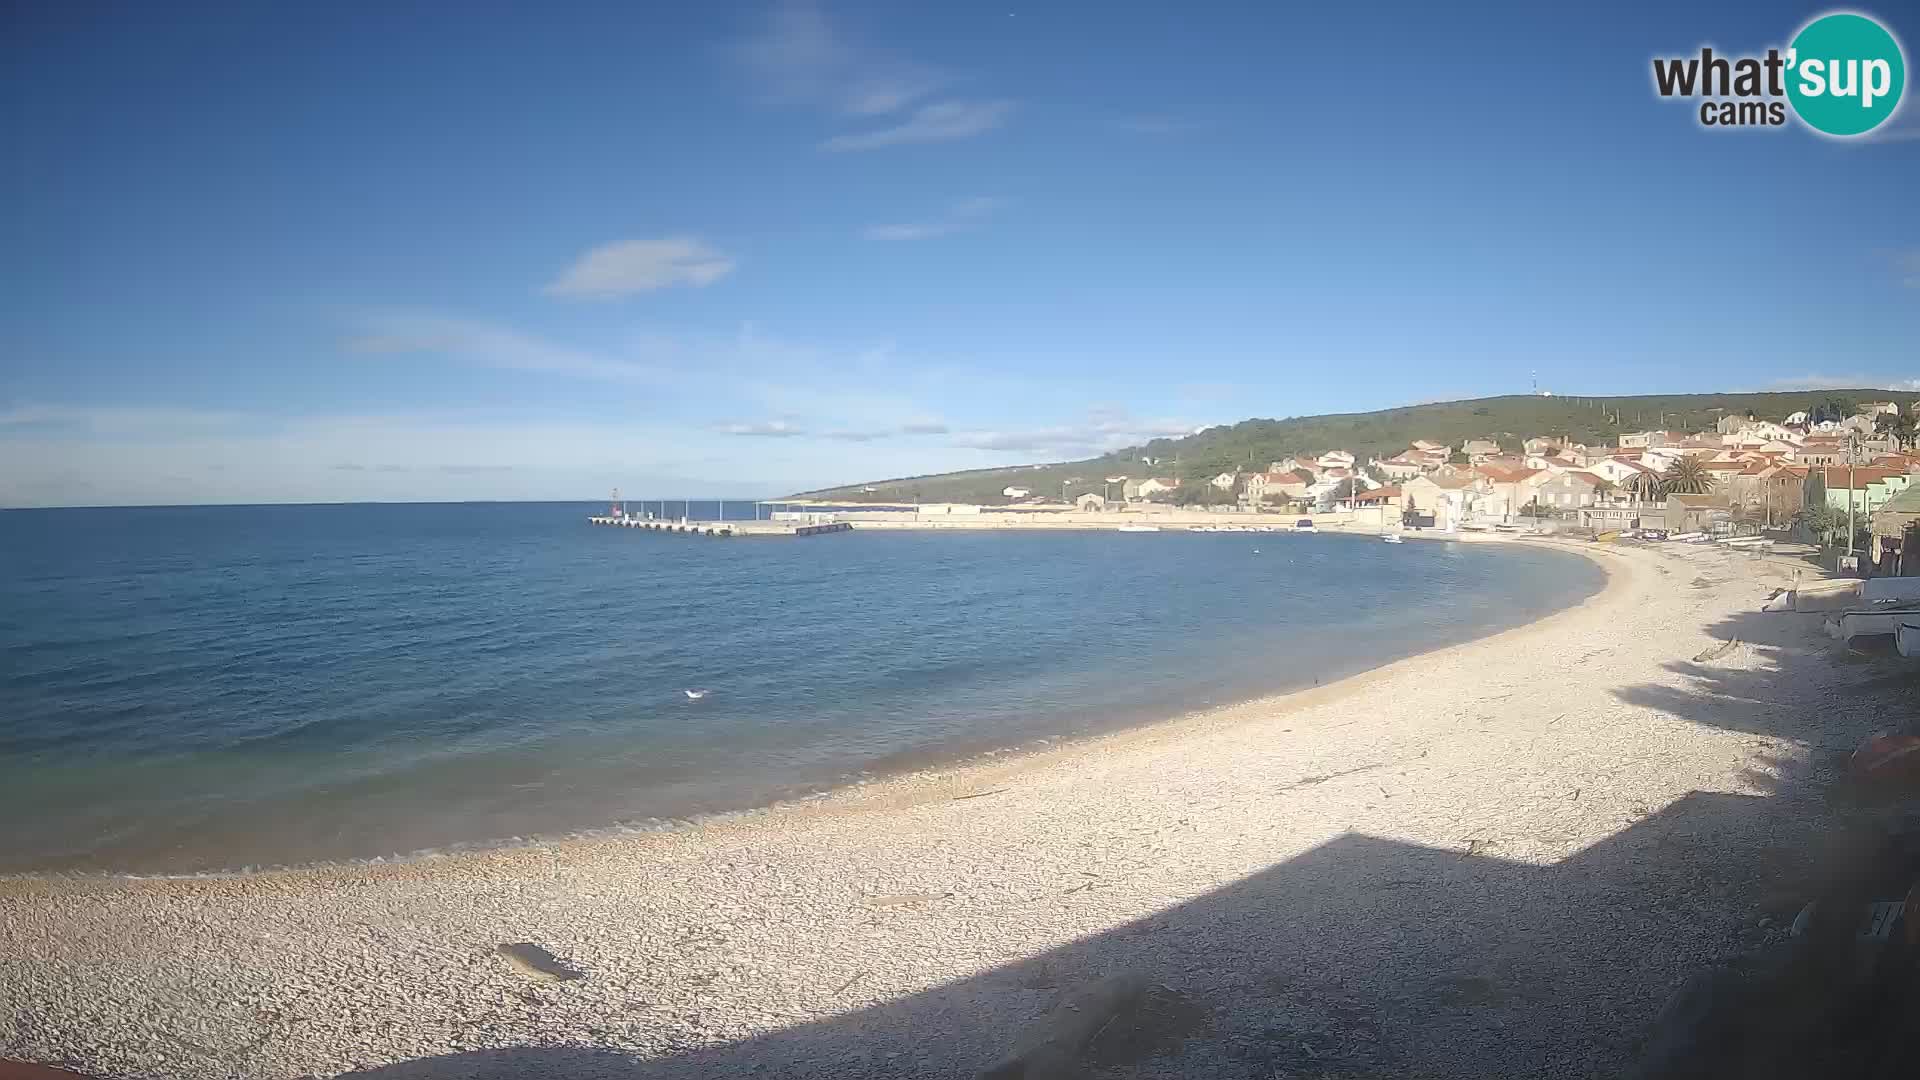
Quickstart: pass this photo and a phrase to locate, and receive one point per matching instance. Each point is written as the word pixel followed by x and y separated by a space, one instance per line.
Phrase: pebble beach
pixel 1494 859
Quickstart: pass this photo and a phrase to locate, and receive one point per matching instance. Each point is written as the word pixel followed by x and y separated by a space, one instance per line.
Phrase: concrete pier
pixel 724 528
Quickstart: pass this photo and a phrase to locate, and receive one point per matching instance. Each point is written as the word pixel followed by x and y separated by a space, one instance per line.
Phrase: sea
pixel 198 689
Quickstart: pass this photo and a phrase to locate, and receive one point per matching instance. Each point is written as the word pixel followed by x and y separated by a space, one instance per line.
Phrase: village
pixel 1842 482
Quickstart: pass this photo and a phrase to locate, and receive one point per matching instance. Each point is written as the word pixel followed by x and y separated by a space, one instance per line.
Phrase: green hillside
pixel 1252 444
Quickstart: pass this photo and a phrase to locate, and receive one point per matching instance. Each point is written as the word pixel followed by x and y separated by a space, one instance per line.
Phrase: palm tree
pixel 1686 476
pixel 1645 487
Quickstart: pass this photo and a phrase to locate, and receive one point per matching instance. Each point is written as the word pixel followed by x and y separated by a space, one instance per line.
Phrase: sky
pixel 276 253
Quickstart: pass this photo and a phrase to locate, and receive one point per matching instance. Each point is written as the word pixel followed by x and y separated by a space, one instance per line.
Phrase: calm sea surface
pixel 187 689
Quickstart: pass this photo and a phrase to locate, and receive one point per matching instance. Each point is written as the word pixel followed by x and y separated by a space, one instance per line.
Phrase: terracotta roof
pixel 1449 481
pixel 1380 494
pixel 1836 475
pixel 1501 475
pixel 1724 466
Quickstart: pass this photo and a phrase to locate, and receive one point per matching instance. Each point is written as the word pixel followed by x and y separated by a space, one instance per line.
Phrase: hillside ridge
pixel 1252 444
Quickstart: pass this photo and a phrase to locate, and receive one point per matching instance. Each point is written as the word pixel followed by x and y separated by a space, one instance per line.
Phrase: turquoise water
pixel 187 689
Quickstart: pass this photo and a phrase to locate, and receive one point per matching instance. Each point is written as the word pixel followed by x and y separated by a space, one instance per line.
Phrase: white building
pixel 1156 485
pixel 1225 481
pixel 1016 492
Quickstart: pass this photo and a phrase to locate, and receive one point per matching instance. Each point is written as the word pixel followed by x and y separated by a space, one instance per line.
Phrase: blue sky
pixel 487 251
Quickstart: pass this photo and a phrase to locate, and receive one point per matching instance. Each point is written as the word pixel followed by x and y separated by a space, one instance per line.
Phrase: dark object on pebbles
pixel 1112 1021
pixel 21 1070
pixel 537 963
pixel 1717 651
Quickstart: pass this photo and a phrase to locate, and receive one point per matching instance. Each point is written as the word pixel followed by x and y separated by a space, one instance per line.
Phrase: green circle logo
pixel 1845 74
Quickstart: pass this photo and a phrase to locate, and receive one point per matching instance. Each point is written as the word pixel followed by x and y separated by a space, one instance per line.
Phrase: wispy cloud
pixel 1904 127
pixel 1814 381
pixel 766 429
pixel 939 122
pixel 962 215
pixel 797 57
pixel 786 429
pixel 1907 265
pixel 493 346
pixel 1103 431
pixel 925 230
pixel 636 266
pixel 123 420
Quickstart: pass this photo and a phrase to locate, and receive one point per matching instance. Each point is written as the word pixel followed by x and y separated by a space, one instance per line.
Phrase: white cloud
pixel 412 456
pixel 797 57
pixel 494 346
pixel 642 266
pixel 919 231
pixel 937 122
pixel 769 429
pixel 964 214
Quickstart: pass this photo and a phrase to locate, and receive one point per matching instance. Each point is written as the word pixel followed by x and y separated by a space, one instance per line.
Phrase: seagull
pixel 694 695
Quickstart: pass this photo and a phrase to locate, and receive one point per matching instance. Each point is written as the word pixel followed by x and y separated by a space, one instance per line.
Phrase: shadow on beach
pixel 1371 957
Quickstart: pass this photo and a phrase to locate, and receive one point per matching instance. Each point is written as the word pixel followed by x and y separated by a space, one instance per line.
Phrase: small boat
pixel 1139 528
pixel 1304 525
pixel 1393 540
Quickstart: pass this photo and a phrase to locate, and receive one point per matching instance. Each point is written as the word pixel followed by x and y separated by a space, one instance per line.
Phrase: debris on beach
pixel 1717 651
pixel 537 963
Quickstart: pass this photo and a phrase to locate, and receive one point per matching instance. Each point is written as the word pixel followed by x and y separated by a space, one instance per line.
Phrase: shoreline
pixel 893 790
pixel 1465 863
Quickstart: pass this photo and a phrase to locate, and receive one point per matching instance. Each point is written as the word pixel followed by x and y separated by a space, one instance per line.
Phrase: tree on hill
pixel 1686 476
pixel 1459 457
pixel 1833 407
pixel 1202 494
